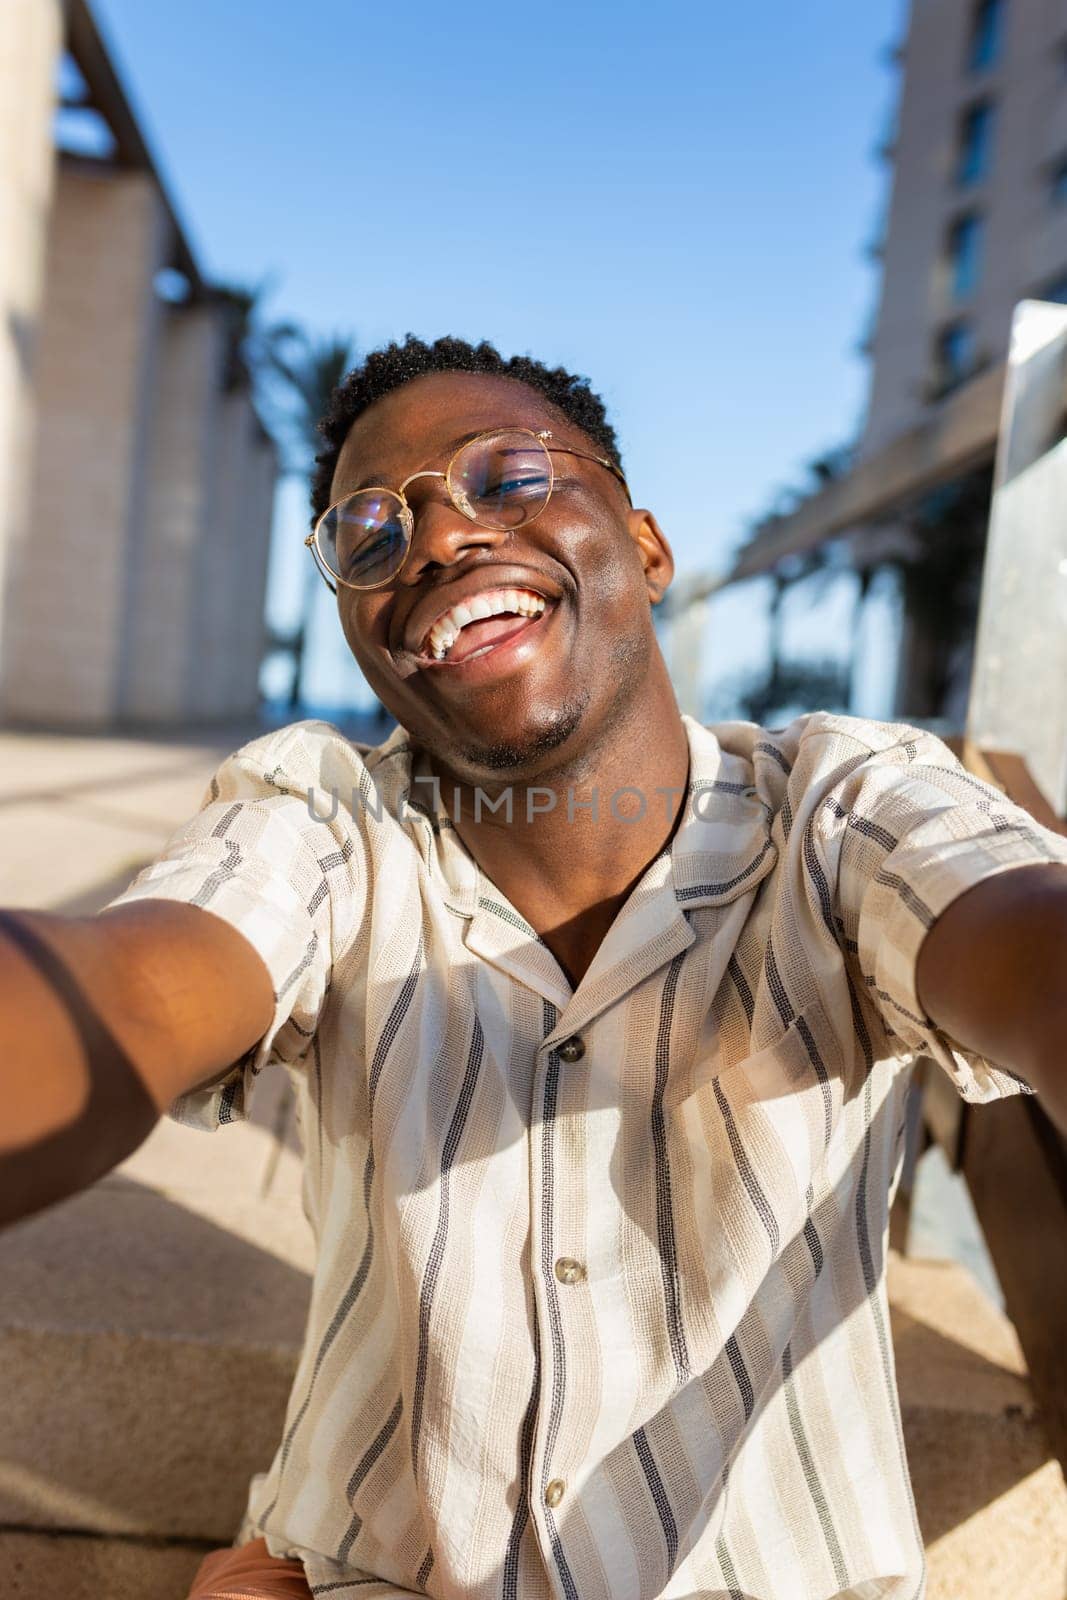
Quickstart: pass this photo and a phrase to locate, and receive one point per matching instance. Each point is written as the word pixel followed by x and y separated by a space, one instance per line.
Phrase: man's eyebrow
pixel 376 480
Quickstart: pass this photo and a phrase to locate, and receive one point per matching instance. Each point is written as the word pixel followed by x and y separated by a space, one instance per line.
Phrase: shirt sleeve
pixel 256 857
pixel 915 830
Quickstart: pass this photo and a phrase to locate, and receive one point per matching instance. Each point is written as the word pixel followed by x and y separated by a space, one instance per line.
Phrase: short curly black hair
pixel 397 364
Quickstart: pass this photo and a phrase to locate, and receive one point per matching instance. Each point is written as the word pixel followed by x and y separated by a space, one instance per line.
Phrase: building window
pixel 1058 183
pixel 987 35
pixel 976 143
pixel 955 357
pixel 965 241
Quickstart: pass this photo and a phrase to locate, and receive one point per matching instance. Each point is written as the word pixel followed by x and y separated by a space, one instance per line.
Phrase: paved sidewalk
pixel 80 814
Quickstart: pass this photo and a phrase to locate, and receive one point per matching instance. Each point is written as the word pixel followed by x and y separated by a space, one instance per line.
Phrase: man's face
pixel 551 685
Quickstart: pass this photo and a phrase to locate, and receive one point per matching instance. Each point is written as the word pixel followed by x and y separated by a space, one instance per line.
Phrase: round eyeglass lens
pixel 364 539
pixel 503 480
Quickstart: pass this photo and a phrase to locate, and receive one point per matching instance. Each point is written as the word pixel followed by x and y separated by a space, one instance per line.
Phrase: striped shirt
pixel 599 1310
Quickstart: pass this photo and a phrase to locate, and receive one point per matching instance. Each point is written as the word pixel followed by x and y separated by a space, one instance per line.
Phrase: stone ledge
pixel 43 1566
pixel 149 1437
pixel 991 1501
pixel 124 1259
pixel 147 1352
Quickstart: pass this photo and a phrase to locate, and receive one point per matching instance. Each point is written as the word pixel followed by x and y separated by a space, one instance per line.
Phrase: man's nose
pixel 442 535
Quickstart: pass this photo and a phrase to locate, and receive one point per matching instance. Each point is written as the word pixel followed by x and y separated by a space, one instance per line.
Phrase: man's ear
pixel 655 552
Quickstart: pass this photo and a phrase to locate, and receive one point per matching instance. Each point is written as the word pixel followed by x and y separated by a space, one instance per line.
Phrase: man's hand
pixel 992 974
pixel 103 1022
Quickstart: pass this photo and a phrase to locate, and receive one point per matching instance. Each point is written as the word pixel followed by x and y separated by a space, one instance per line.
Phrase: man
pixel 599 1022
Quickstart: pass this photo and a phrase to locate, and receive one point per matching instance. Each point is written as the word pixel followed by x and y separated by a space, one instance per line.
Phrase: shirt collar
pixel 721 848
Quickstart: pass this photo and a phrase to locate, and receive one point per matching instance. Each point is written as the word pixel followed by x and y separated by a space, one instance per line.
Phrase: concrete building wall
pixel 165 550
pixel 136 493
pixel 1025 244
pixel 249 617
pixel 31 33
pixel 224 585
pixel 66 598
pixel 196 613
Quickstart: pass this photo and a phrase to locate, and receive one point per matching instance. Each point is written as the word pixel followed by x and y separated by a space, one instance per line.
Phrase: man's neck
pixel 581 836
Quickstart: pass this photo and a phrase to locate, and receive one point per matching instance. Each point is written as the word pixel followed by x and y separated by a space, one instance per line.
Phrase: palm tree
pixel 792 686
pixel 293 376
pixel 788 682
pixel 309 370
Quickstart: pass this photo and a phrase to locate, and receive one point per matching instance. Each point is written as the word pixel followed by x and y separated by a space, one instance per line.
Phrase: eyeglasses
pixel 500 479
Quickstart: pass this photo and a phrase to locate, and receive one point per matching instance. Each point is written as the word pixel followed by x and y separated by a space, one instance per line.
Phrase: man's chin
pixel 521 753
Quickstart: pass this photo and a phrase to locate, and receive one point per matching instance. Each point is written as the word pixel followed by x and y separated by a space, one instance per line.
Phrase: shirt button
pixel 572 1049
pixel 569 1271
pixel 555 1492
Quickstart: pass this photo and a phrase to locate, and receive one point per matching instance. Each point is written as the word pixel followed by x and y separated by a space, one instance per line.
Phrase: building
pixel 976 221
pixel 978 213
pixel 136 479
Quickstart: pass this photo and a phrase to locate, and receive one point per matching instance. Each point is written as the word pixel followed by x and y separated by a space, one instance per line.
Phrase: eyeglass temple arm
pixel 601 461
pixel 312 544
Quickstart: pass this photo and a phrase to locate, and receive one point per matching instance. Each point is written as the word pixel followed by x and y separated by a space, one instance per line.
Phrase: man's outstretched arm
pixel 103 1022
pixel 992 974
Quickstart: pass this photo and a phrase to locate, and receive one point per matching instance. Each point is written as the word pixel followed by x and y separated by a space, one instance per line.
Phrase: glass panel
pixel 1019 689
pixel 987 37
pixel 976 144
pixel 955 355
pixel 965 255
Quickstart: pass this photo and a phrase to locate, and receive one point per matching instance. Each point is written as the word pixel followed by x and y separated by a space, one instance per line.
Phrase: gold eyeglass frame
pixel 457 497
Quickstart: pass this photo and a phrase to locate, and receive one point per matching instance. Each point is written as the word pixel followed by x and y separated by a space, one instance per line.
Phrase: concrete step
pixel 992 1502
pixel 44 1566
pixel 115 1433
pixel 149 1334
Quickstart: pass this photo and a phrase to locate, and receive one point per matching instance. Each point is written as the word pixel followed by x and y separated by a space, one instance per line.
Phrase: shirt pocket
pixel 765 1135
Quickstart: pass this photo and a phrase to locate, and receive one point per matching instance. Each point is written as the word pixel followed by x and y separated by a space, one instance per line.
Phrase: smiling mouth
pixel 475 627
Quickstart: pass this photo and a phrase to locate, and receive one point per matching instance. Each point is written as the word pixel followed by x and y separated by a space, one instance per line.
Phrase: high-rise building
pixel 975 221
pixel 136 479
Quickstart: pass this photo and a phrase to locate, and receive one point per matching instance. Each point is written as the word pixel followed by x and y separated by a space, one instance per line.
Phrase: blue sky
pixel 671 201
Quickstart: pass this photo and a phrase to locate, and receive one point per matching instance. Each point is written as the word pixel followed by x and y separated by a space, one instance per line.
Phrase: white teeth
pixel 445 631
